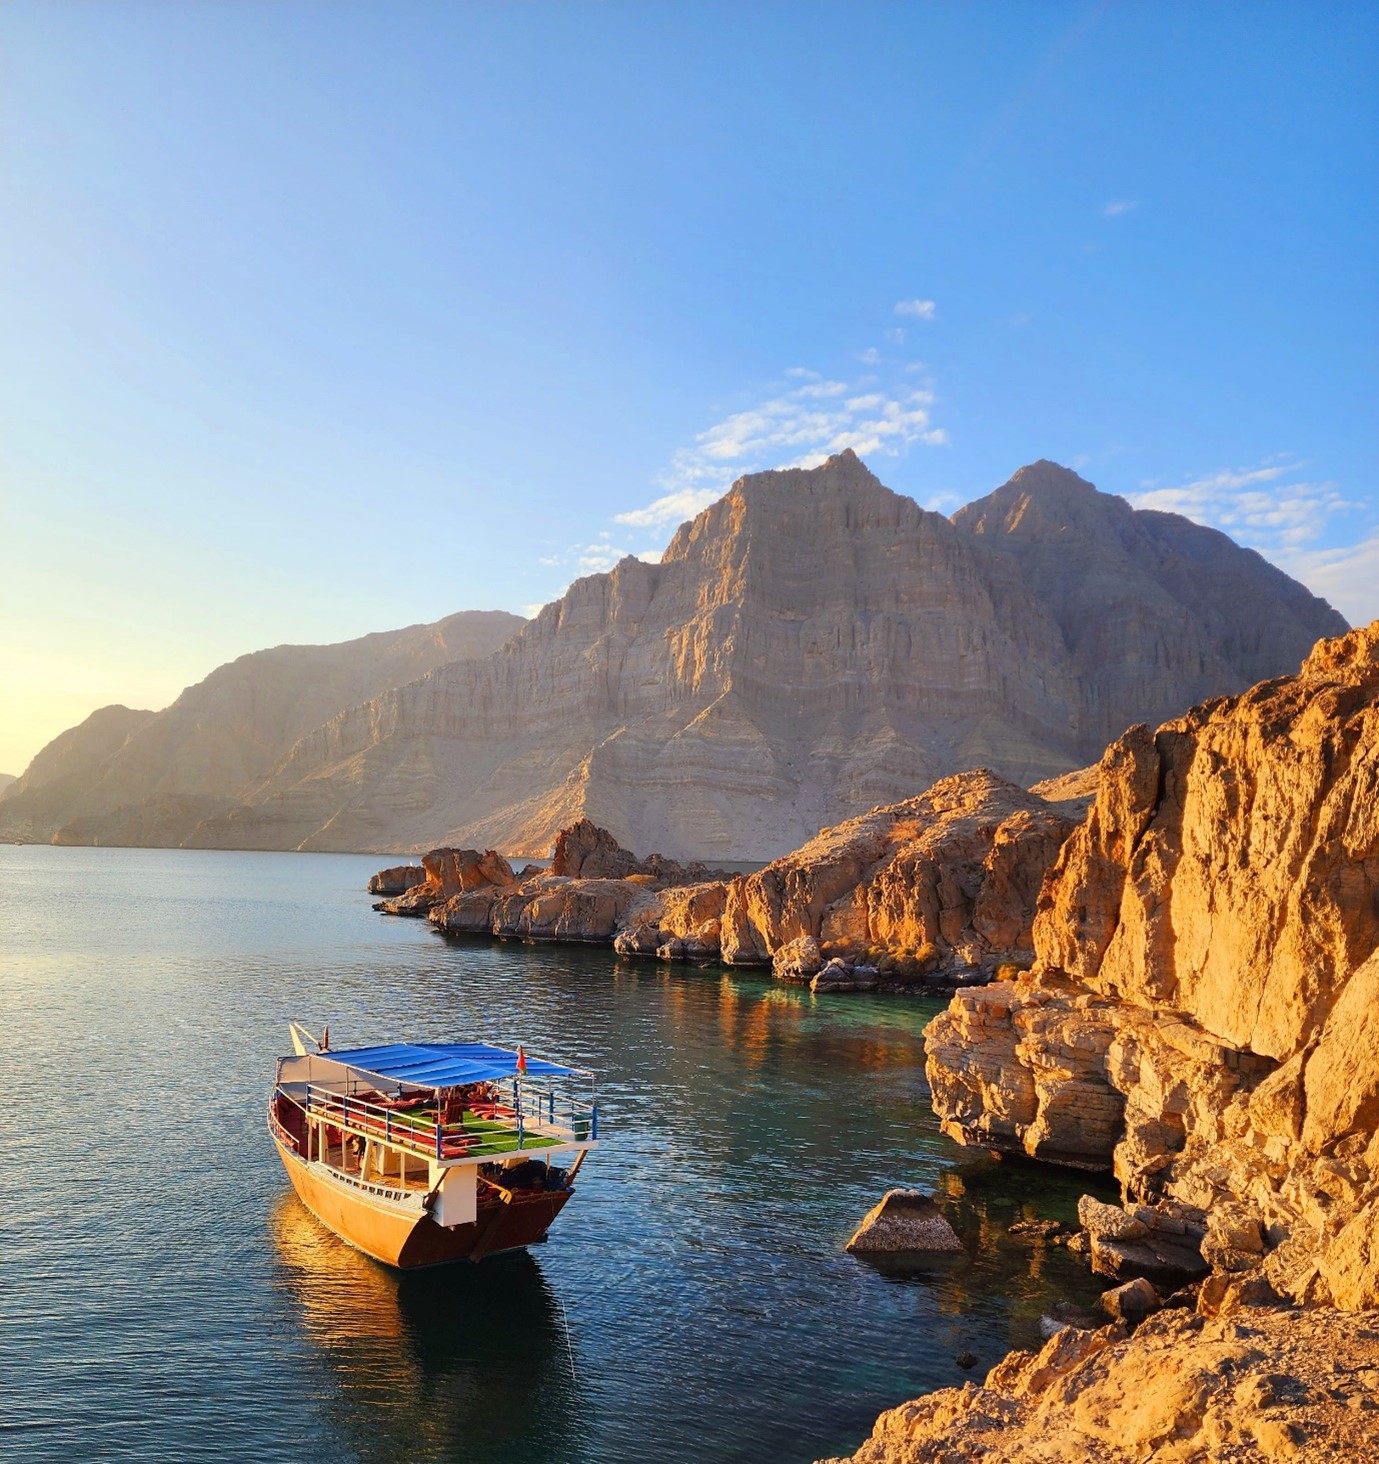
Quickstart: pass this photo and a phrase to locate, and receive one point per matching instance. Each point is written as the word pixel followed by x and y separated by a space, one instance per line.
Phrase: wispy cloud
pixel 1269 506
pixel 919 309
pixel 597 557
pixel 1347 577
pixel 1275 508
pixel 798 426
pixel 670 508
pixel 1119 206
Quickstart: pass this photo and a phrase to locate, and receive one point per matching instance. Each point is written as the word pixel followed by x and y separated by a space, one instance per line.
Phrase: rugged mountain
pixel 1156 612
pixel 141 777
pixel 810 646
pixel 1202 1014
pixel 6 779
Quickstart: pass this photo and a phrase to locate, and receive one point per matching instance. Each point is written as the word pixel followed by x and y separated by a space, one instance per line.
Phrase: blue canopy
pixel 443 1064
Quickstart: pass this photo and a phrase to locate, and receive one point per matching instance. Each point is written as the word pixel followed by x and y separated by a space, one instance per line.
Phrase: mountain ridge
pixel 133 776
pixel 810 645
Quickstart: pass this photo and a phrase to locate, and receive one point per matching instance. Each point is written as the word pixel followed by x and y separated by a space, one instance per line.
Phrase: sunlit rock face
pixel 946 880
pixel 1203 1016
pixel 137 777
pixel 1258 1385
pixel 810 646
pixel 936 888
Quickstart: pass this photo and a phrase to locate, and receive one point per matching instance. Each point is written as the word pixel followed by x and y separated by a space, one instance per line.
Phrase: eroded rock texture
pixel 945 880
pixel 1259 1385
pixel 938 886
pixel 1203 1015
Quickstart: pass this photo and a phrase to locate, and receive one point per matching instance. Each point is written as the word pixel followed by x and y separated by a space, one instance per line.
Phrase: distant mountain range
pixel 137 777
pixel 810 646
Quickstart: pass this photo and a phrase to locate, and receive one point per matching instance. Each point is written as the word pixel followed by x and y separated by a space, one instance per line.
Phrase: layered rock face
pixel 1202 1016
pixel 810 646
pixel 1257 1386
pixel 1157 612
pixel 135 777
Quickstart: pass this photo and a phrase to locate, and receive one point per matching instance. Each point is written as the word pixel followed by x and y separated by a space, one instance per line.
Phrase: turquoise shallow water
pixel 165 1297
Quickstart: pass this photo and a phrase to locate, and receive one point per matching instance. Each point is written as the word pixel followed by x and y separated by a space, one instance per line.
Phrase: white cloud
pixel 1119 206
pixel 1267 507
pixel 672 508
pixel 796 427
pixel 1348 578
pixel 599 558
pixel 1273 508
pixel 920 309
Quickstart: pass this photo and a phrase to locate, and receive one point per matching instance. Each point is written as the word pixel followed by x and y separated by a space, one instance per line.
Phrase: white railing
pixel 522 1112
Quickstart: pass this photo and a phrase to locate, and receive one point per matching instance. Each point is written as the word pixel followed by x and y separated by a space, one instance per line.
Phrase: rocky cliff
pixel 1203 1014
pixel 1255 1387
pixel 135 777
pixel 810 646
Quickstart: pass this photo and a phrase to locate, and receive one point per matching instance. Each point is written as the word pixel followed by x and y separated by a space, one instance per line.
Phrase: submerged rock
pixel 905 1220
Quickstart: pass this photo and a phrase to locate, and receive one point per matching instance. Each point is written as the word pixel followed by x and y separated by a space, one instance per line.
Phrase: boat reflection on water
pixel 457 1362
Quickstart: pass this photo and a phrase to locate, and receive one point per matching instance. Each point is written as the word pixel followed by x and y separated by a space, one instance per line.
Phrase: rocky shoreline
pixel 1179 989
pixel 1201 1019
pixel 926 895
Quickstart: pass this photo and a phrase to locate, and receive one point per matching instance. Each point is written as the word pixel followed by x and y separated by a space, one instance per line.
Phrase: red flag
pixel 521 1059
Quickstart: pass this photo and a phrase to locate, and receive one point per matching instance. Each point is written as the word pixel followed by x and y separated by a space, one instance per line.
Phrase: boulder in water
pixel 905 1220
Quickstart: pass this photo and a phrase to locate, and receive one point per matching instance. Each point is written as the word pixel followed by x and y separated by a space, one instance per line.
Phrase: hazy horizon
pixel 323 322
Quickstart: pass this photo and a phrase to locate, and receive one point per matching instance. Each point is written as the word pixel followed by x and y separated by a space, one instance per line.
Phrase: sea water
pixel 165 1297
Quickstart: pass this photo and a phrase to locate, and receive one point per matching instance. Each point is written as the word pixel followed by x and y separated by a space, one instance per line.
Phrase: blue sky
pixel 321 319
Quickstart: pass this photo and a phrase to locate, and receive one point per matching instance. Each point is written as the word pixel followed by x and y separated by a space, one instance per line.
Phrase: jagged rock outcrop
pixel 397 880
pixel 1203 1015
pixel 943 881
pixel 586 850
pixel 1256 1386
pixel 135 777
pixel 445 875
pixel 810 646
pixel 936 888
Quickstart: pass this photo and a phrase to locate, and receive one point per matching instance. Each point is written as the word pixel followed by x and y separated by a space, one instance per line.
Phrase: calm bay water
pixel 165 1297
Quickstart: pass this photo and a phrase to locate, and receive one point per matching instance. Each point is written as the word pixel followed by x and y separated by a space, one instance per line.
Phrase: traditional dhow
pixel 420 1153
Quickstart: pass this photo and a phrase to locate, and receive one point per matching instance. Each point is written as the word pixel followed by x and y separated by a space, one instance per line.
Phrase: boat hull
pixel 409 1240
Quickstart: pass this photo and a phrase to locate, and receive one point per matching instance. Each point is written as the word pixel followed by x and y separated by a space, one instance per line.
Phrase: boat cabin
pixel 450 1120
